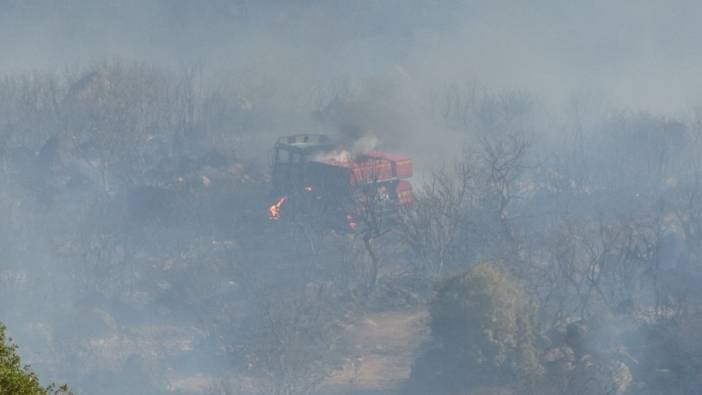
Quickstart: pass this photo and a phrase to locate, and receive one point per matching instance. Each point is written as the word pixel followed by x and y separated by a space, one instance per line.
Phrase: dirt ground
pixel 385 344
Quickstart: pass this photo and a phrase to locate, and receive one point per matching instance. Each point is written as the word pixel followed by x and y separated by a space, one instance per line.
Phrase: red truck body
pixel 370 167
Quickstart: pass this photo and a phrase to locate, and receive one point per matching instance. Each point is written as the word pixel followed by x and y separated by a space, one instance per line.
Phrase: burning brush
pixel 274 210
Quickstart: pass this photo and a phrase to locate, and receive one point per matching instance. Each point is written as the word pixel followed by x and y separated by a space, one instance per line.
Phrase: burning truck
pixel 317 180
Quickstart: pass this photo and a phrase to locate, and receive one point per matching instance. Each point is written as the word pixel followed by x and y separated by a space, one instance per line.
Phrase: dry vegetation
pixel 139 240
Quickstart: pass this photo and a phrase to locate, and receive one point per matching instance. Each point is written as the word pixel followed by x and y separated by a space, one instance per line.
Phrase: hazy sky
pixel 633 54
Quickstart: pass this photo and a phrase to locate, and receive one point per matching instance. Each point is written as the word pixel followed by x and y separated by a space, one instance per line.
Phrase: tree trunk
pixel 368 243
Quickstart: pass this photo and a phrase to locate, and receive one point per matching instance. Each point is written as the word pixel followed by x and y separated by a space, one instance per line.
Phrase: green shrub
pixel 482 333
pixel 16 378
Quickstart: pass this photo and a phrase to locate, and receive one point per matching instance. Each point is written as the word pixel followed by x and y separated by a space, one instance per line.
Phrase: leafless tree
pixel 371 201
pixel 298 345
pixel 504 162
pixel 593 264
pixel 432 226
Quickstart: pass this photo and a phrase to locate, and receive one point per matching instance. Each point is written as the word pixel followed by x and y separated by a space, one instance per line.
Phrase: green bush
pixel 482 333
pixel 16 378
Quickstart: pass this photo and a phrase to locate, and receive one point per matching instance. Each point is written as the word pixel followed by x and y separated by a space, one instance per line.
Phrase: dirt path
pixel 385 344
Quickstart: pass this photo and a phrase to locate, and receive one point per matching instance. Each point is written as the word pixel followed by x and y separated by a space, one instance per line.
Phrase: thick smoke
pixel 212 84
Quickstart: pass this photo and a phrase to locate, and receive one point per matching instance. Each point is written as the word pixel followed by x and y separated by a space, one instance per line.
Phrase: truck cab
pixel 290 154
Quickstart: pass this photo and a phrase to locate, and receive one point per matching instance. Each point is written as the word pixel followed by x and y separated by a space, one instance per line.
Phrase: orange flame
pixel 274 210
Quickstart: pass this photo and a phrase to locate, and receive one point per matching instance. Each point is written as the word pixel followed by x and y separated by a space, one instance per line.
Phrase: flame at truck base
pixel 274 210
